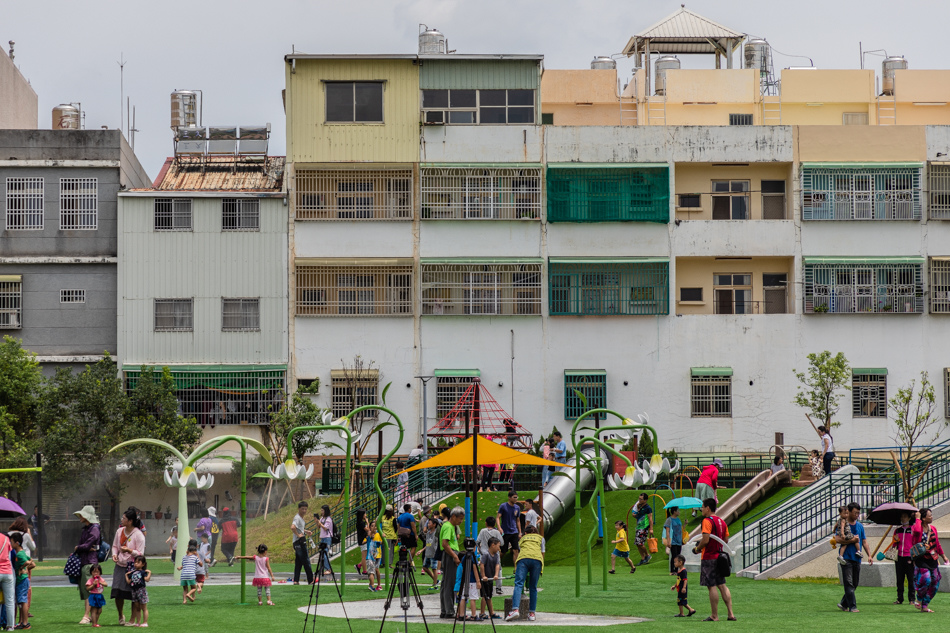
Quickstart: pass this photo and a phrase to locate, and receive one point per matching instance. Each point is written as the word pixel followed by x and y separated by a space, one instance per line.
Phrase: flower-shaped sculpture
pixel 290 470
pixel 634 477
pixel 188 479
pixel 660 465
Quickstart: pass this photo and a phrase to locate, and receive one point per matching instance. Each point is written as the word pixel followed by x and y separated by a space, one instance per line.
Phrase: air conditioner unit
pixel 425 122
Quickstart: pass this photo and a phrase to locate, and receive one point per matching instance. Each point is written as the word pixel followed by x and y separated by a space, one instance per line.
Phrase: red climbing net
pixel 485 416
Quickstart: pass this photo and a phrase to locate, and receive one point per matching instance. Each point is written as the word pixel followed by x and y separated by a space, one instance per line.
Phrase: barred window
pixel 474 287
pixel 740 119
pixel 946 392
pixel 72 296
pixel 621 287
pixel 240 214
pixel 174 315
pixel 876 286
pixel 11 296
pixel 24 204
pixel 241 315
pixel 172 214
pixel 448 391
pixel 350 389
pixel 608 194
pixel 591 383
pixel 78 203
pixel 869 393
pixel 384 194
pixel 711 392
pixel 861 193
pixel 354 290
pixel 939 285
pixel 481 194
pixel 940 192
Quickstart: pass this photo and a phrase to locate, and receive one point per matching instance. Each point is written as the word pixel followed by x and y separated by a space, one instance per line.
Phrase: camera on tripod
pixel 323 546
pixel 470 545
pixel 403 554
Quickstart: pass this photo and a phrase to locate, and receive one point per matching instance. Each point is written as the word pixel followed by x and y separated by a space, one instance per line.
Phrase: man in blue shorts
pixel 509 519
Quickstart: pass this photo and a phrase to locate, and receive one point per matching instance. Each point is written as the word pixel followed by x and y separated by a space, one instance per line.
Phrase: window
pixel 939 192
pixel 711 392
pixel 174 315
pixel 730 199
pixel 876 285
pixel 946 392
pixel 72 296
pixel 11 307
pixel 691 294
pixel 940 285
pixel 610 287
pixel 96 506
pixel 478 107
pixel 460 287
pixel 733 293
pixel 354 290
pixel 773 199
pixel 491 193
pixel 547 118
pixel 869 393
pixel 608 194
pixel 838 192
pixel 689 201
pixel 223 395
pixel 240 214
pixel 775 293
pixel 24 204
pixel 450 386
pixel 854 118
pixel 241 315
pixel 353 388
pixel 78 203
pixel 354 101
pixel 740 119
pixel 354 194
pixel 592 383
pixel 172 214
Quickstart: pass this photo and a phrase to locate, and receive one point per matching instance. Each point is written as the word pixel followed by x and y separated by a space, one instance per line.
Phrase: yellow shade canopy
pixel 488 453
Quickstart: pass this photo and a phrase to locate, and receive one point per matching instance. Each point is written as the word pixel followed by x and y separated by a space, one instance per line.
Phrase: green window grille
pixel 590 382
pixel 864 286
pixel 216 394
pixel 608 193
pixel 861 191
pixel 624 287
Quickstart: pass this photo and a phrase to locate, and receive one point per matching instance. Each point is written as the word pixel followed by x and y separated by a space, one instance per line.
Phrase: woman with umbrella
pixel 925 551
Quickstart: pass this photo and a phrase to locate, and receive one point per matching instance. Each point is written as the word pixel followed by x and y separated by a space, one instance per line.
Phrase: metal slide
pixel 751 493
pixel 558 495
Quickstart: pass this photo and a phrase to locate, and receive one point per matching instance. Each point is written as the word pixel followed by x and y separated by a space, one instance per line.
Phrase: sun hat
pixel 88 513
pixel 717 462
pixel 442 506
pixel 212 512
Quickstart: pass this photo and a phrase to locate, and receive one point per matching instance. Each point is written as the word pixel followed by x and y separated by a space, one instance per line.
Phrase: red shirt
pixel 717 527
pixel 709 476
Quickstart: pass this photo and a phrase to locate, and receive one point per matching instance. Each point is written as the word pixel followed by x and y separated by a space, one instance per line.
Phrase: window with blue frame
pixel 608 192
pixel 592 287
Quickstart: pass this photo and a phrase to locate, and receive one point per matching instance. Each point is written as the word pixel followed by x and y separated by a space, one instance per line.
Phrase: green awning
pixel 863 260
pixel 608 165
pixel 481 260
pixel 11 278
pixel 869 371
pixel 480 165
pixel 239 378
pixel 609 260
pixel 862 165
pixel 585 372
pixel 207 368
pixel 457 373
pixel 710 371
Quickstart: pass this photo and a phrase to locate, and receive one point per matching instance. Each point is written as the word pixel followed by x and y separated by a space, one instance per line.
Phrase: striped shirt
pixel 189 565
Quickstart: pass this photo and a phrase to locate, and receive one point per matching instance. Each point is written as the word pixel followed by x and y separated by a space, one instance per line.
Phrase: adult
pixel 926 573
pixel 708 482
pixel 904 565
pixel 851 569
pixel 710 575
pixel 448 537
pixel 215 533
pixel 203 528
pixel 326 535
pixel 643 522
pixel 229 534
pixel 300 533
pixel 509 518
pixel 88 552
pixel 416 452
pixel 827 449
pixel 402 487
pixel 38 524
pixel 128 543
pixel 406 530
pixel 529 568
pixel 7 579
pixel 560 448
pixel 19 526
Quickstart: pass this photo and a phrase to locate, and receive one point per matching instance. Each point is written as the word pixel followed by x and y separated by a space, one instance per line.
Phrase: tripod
pixel 323 559
pixel 467 563
pixel 406 581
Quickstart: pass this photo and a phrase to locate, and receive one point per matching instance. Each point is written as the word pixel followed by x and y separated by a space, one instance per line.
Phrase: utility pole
pixel 121 64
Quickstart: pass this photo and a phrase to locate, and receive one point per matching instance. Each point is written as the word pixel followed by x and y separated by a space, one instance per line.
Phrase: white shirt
pixel 827 444
pixel 416 452
pixel 300 525
pixel 531 518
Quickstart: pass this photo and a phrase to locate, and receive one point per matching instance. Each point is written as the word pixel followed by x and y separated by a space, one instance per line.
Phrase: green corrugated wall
pixel 489 74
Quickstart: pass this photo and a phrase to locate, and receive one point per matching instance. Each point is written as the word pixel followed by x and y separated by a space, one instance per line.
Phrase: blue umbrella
pixel 686 503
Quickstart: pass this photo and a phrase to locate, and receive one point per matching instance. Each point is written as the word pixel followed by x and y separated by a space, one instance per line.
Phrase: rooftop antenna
pixel 121 64
pixel 11 49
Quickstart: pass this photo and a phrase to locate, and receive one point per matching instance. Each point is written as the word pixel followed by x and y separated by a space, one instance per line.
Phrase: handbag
pixel 918 550
pixel 104 551
pixel 73 567
pixel 891 554
pixel 652 546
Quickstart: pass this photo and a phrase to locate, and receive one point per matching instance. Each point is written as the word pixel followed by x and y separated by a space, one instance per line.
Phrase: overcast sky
pixel 233 50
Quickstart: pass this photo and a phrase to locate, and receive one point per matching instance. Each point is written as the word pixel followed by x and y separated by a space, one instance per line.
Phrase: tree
pixel 820 387
pixel 296 410
pixel 913 410
pixel 20 385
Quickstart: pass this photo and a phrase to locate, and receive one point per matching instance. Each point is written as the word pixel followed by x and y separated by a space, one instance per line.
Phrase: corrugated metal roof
pixel 682 32
pixel 222 174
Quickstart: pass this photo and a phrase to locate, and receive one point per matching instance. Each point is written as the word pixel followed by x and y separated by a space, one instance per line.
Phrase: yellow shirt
pixel 532 547
pixel 378 541
pixel 388 530
pixel 623 545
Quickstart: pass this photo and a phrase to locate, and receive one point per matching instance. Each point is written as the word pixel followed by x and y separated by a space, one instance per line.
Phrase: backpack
pixel 336 537
pixel 105 549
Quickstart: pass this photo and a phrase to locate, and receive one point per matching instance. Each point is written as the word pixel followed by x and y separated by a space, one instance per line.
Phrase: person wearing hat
pixel 708 482
pixel 215 531
pixel 88 552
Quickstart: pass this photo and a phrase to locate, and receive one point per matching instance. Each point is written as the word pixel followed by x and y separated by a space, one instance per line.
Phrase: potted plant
pixel 158 513
pixel 820 309
pixel 310 390
pixel 168 511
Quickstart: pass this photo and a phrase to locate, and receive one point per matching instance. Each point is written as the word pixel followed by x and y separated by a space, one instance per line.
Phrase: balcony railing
pixel 771 306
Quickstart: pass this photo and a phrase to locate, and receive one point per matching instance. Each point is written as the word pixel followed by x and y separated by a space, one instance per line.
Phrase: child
pixel 137 579
pixel 490 570
pixel 621 547
pixel 679 564
pixel 172 542
pixel 374 553
pixel 429 561
pixel 204 555
pixel 674 534
pixel 95 585
pixel 21 567
pixel 843 533
pixel 471 563
pixel 189 572
pixel 486 534
pixel 263 574
pixel 815 460
pixel 530 516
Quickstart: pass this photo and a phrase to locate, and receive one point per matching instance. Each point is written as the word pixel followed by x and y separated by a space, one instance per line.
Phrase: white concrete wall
pixel 18 101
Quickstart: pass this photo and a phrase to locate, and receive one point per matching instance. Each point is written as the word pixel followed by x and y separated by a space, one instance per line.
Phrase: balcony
pixel 886 285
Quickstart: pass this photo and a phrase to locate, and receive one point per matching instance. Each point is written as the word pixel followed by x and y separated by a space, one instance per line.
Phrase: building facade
pixel 18 101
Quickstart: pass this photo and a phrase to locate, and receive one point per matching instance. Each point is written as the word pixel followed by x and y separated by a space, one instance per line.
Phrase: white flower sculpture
pixel 290 470
pixel 660 465
pixel 342 422
pixel 633 478
pixel 188 479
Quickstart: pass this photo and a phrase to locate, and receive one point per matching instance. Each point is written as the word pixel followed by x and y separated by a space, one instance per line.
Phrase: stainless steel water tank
pixel 756 52
pixel 431 42
pixel 602 62
pixel 888 66
pixel 65 117
pixel 663 64
pixel 184 109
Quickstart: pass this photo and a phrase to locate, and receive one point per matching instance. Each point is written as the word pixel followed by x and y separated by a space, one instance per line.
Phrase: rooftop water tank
pixel 184 109
pixel 756 52
pixel 888 66
pixel 431 42
pixel 603 62
pixel 65 117
pixel 663 64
